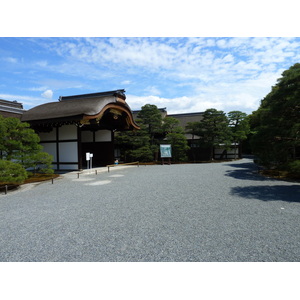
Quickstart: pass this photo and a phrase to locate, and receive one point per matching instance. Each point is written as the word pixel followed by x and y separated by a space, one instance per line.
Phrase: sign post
pixel 91 161
pixel 88 157
pixel 165 152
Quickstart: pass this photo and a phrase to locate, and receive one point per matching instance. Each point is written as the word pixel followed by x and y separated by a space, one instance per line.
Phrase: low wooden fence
pixel 6 187
pixel 124 164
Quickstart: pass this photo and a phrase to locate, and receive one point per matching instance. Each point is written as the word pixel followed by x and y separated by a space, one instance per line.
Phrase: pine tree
pixel 213 130
pixel 20 144
pixel 277 122
pixel 239 127
pixel 176 137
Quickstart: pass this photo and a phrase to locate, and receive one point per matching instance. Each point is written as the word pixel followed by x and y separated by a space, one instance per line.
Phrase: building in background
pixel 196 154
pixel 11 109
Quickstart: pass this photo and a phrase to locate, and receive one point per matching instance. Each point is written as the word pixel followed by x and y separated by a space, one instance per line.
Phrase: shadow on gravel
pixel 289 193
pixel 246 171
pixel 246 165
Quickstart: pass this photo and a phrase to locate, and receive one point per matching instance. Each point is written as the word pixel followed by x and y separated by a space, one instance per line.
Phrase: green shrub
pixel 11 173
pixel 40 163
pixel 142 154
pixel 294 167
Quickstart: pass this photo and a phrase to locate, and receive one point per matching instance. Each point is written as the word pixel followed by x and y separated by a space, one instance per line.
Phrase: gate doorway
pixel 103 153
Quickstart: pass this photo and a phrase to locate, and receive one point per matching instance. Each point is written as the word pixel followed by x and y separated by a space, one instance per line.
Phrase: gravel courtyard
pixel 193 212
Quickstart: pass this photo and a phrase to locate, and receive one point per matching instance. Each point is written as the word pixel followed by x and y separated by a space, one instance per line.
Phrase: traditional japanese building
pixel 194 153
pixel 11 109
pixel 80 124
pixel 75 125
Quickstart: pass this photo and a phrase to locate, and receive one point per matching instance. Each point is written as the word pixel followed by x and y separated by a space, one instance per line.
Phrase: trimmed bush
pixel 11 173
pixel 40 163
pixel 294 167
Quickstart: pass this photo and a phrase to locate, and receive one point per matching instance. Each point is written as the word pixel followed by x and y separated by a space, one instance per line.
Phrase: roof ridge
pixel 120 93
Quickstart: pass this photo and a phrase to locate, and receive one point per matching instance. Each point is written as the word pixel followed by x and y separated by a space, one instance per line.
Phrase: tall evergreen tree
pixel 134 145
pixel 143 145
pixel 192 128
pixel 239 127
pixel 176 137
pixel 277 121
pixel 150 117
pixel 213 130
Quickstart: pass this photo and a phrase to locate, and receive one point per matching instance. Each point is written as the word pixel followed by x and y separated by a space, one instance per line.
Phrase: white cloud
pixel 244 95
pixel 196 58
pixel 136 102
pixel 47 94
pixel 153 90
pixel 57 84
pixel 42 63
pixel 27 101
pixel 37 89
pixel 175 105
pixel 126 82
pixel 11 60
pixel 182 74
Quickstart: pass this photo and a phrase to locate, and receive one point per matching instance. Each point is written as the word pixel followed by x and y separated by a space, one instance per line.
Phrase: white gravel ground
pixel 193 212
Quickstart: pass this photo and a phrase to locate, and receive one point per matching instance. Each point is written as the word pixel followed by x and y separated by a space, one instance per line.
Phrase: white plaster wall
pixel 68 167
pixel 68 152
pixel 103 136
pixel 51 149
pixel 68 132
pixel 229 151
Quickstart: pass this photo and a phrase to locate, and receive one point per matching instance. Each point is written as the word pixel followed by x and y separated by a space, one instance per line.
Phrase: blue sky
pixel 182 74
pixel 168 53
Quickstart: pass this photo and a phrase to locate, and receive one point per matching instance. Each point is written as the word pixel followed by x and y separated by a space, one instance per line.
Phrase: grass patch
pixel 284 175
pixel 40 177
pixel 31 179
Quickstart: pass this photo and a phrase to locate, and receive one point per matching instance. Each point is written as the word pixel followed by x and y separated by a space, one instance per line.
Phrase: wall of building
pixel 232 153
pixel 62 144
pixel 68 145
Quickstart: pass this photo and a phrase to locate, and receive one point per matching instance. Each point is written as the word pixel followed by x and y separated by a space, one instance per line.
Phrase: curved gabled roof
pixel 81 107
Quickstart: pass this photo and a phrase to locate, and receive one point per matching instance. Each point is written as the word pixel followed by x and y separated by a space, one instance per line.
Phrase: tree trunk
pixel 212 153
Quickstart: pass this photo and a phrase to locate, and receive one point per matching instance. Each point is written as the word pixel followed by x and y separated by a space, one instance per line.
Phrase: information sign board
pixel 165 151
